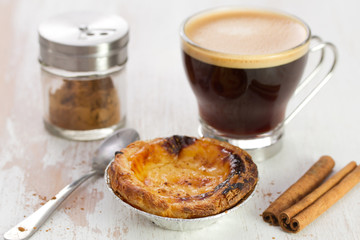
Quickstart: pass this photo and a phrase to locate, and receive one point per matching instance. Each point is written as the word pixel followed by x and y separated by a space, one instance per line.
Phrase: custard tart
pixel 182 177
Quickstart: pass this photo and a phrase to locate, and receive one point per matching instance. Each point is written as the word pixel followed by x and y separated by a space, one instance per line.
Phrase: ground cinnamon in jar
pixel 82 58
pixel 85 104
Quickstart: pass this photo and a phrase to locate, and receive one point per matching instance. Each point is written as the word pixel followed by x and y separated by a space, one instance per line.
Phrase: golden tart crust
pixel 182 177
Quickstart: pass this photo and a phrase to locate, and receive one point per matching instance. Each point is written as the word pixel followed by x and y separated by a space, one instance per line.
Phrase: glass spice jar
pixel 82 58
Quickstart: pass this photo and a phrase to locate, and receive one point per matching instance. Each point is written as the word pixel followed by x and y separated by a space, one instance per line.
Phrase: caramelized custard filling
pixel 182 177
pixel 195 170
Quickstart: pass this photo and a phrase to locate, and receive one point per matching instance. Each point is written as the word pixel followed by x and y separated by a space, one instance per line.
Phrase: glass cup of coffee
pixel 243 66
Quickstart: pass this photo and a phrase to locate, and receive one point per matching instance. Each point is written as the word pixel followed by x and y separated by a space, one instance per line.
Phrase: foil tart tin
pixel 177 224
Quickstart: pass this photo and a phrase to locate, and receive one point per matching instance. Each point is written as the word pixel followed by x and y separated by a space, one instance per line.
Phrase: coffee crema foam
pixel 244 38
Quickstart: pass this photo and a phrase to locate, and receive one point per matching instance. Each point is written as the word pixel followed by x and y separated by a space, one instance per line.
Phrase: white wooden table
pixel 35 165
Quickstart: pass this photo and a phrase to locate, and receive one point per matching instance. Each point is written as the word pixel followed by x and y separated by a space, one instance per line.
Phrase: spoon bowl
pixel 105 152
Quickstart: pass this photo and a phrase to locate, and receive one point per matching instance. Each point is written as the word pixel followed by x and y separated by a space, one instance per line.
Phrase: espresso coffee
pixel 243 66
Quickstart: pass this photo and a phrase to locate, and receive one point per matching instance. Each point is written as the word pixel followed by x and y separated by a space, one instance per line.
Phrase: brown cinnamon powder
pixel 85 104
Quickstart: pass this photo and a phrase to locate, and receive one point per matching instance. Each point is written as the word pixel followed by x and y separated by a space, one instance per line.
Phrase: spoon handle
pixel 31 224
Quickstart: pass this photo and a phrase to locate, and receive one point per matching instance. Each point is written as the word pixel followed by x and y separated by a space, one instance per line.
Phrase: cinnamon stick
pixel 307 183
pixel 310 213
pixel 288 214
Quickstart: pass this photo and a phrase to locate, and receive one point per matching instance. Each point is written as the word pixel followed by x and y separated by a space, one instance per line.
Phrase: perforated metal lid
pixel 83 41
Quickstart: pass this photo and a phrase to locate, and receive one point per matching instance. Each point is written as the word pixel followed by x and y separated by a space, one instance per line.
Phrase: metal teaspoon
pixel 101 159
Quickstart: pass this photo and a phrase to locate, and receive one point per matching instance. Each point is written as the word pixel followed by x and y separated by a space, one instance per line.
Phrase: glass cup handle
pixel 321 46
